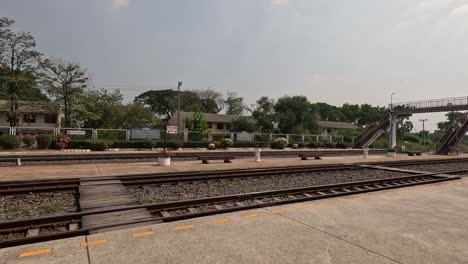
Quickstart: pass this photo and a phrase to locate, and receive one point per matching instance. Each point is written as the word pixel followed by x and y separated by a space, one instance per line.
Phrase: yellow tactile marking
pixel 149 233
pixel 322 204
pixel 277 211
pixel 301 206
pixel 340 201
pixel 249 216
pixel 358 198
pixel 184 227
pixel 35 252
pixel 219 221
pixel 92 243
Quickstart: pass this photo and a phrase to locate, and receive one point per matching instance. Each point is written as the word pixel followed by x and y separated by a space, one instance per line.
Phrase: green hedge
pixel 9 141
pixel 94 145
pixel 43 141
pixel 142 144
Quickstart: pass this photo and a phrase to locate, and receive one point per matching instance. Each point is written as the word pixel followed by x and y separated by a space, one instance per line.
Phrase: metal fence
pixel 186 136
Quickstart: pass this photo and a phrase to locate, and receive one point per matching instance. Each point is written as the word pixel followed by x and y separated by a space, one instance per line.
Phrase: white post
pixel 232 136
pixel 94 134
pixel 303 139
pixel 287 137
pixel 185 135
pixel 127 135
pixel 366 152
pixel 257 154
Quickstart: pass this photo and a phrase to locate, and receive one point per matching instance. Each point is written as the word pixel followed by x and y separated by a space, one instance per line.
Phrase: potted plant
pixel 391 152
pixel 164 158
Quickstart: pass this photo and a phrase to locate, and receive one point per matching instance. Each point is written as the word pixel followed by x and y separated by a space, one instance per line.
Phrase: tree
pixel 134 115
pixel 369 114
pixel 196 123
pixel 17 79
pixel 164 102
pixel 211 101
pixel 295 115
pixel 234 104
pixel 407 126
pixel 264 114
pixel 244 123
pixel 328 112
pixel 98 108
pixel 65 82
pixel 451 117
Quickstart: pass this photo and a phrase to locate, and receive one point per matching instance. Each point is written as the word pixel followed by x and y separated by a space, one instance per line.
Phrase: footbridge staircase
pixel 372 132
pixel 453 135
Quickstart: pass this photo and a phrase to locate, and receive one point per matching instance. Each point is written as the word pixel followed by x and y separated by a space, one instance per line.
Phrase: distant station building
pixel 216 122
pixel 34 116
pixel 331 128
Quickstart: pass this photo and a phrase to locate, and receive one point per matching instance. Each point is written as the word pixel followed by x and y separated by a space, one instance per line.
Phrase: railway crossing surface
pixel 420 224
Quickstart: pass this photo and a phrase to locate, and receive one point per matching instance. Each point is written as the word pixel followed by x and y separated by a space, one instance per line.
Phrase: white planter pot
pixel 164 161
pixel 391 154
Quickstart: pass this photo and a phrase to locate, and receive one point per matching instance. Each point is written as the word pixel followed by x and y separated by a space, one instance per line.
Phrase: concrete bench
pixel 316 156
pixel 206 159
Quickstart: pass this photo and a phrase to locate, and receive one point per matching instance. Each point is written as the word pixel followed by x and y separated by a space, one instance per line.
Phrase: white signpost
pixel 172 130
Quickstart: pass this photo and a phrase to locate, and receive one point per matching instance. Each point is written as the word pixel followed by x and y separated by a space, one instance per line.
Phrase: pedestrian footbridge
pixel 397 112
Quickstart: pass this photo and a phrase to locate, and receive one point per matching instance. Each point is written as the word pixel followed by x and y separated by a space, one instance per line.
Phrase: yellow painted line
pixel 95 242
pixel 35 252
pixel 357 198
pixel 149 233
pixel 249 216
pixel 340 201
pixel 322 204
pixel 184 227
pixel 278 211
pixel 219 221
pixel 301 206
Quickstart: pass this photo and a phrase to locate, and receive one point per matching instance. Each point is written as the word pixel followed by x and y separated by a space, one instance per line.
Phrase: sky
pixel 333 51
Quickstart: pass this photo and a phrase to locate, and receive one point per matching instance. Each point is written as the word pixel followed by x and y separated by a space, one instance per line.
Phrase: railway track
pixel 183 209
pixel 172 211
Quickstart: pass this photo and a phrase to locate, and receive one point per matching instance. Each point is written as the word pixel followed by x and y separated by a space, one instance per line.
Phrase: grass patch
pixel 16 212
pixel 52 208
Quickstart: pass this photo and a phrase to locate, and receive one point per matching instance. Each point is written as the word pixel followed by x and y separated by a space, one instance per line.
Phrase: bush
pixel 300 145
pixel 411 138
pixel 174 145
pixel 343 145
pixel 139 144
pixel 226 143
pixel 88 144
pixel 330 145
pixel 9 141
pixel 29 140
pixel 279 143
pixel 391 150
pixel 43 141
pixel 311 145
pixel 60 141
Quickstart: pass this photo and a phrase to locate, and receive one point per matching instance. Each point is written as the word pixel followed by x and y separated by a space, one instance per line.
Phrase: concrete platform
pixel 41 172
pixel 422 224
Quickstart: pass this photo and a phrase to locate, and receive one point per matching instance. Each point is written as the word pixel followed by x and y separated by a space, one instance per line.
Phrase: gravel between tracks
pixel 193 190
pixel 14 207
pixel 438 167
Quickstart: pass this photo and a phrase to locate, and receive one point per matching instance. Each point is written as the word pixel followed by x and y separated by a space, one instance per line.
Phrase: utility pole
pixel 424 133
pixel 178 110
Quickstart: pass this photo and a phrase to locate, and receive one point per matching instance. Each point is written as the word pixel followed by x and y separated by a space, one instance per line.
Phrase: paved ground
pixel 422 224
pixel 19 173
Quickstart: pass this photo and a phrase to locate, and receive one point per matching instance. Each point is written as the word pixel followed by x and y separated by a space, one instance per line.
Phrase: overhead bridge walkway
pixel 396 112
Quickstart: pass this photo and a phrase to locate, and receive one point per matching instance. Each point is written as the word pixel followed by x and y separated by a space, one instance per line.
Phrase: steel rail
pixel 313 193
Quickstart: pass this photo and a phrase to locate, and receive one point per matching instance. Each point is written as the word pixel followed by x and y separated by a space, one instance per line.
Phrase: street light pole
pixel 178 110
pixel 424 133
pixel 391 101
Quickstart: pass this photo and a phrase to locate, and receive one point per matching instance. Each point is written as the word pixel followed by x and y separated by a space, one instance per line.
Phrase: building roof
pixel 331 124
pixel 29 107
pixel 215 118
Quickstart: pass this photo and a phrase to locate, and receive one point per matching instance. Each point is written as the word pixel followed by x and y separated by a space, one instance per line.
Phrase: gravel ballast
pixel 153 193
pixel 438 167
pixel 19 206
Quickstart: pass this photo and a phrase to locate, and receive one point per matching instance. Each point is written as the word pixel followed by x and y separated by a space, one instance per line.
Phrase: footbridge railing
pixel 435 105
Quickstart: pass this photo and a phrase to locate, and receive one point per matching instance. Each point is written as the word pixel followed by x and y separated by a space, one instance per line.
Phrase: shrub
pixel 226 143
pixel 94 145
pixel 411 138
pixel 343 145
pixel 299 145
pixel 140 144
pixel 60 141
pixel 391 150
pixel 330 145
pixel 311 145
pixel 29 140
pixel 279 143
pixel 43 141
pixel 174 145
pixel 9 141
